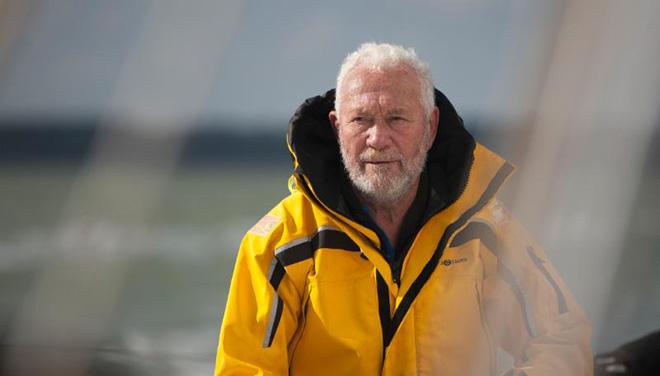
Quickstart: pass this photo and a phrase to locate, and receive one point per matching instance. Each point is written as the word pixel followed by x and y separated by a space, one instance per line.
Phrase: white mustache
pixel 371 155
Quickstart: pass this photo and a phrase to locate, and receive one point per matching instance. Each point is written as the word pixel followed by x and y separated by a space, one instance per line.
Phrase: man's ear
pixel 433 125
pixel 334 120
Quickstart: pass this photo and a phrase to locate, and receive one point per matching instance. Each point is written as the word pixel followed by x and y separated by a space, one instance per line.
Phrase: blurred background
pixel 140 139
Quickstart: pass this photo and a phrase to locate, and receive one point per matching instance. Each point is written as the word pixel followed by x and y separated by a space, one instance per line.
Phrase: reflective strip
pixel 476 230
pixel 275 273
pixel 303 248
pixel 521 296
pixel 561 300
pixel 327 227
pixel 292 244
pixel 273 320
pixel 304 239
pixel 384 308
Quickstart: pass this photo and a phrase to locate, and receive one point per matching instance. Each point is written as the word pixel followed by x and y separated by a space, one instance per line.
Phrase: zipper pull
pixel 396 275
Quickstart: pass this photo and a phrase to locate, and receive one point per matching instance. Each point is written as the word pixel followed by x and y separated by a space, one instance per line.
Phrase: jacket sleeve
pixel 530 311
pixel 261 316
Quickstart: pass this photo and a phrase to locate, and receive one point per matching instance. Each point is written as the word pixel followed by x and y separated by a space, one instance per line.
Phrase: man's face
pixel 383 132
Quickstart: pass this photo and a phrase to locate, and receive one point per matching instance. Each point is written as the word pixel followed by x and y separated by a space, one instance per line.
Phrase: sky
pixel 258 60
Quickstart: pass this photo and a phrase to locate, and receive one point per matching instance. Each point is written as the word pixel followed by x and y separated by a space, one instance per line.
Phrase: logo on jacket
pixel 450 262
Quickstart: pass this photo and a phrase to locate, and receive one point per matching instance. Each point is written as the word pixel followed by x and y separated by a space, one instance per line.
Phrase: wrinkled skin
pixel 383 132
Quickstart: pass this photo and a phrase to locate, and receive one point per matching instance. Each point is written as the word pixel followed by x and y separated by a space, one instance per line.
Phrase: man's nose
pixel 378 136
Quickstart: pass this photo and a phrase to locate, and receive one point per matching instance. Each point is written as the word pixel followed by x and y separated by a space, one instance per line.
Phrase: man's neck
pixel 389 216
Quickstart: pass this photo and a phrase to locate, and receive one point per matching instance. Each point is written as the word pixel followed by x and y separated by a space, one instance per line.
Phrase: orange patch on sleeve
pixel 265 225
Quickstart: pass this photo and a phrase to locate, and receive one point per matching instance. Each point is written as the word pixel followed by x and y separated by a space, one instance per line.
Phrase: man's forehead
pixel 395 90
pixel 368 102
pixel 366 78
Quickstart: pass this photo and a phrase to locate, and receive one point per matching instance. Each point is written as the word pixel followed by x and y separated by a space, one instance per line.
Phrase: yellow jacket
pixel 312 294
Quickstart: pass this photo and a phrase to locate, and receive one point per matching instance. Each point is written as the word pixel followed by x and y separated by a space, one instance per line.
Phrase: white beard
pixel 383 184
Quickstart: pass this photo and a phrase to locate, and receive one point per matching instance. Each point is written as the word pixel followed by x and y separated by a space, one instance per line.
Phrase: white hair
pixel 380 56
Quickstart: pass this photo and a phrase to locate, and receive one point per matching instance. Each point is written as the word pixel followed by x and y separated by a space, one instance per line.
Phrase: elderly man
pixel 391 255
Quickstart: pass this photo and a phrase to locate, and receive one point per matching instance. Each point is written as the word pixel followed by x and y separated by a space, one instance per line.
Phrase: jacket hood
pixel 315 152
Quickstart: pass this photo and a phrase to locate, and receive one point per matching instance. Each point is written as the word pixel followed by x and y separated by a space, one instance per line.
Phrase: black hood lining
pixel 314 146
